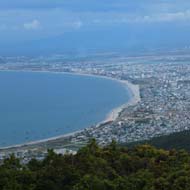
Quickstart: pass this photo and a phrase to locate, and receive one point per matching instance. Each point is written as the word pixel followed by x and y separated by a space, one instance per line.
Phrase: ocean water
pixel 35 106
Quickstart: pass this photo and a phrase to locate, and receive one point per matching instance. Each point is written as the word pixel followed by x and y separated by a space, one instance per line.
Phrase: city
pixel 164 85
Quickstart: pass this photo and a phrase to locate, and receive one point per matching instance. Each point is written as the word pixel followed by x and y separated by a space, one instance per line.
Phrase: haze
pixel 53 26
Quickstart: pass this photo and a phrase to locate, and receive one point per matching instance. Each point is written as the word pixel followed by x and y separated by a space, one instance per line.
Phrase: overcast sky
pixel 95 24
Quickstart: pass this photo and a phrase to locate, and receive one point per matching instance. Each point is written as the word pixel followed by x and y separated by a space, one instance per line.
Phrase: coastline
pixel 134 99
pixel 110 117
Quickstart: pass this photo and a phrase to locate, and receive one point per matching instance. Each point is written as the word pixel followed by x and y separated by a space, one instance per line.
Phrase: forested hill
pixel 93 168
pixel 178 140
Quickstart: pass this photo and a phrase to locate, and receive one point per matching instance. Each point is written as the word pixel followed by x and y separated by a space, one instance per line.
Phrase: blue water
pixel 36 106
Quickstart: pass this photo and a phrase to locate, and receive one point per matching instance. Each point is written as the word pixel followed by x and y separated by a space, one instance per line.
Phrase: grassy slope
pixel 180 140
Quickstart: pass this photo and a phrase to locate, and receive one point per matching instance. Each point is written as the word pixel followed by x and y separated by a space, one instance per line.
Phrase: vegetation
pixel 179 140
pixel 93 168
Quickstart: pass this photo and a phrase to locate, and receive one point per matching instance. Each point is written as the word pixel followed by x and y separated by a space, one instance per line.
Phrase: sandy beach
pixel 134 99
pixel 111 116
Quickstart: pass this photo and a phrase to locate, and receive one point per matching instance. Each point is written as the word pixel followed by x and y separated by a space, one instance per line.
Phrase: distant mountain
pixel 105 39
pixel 69 42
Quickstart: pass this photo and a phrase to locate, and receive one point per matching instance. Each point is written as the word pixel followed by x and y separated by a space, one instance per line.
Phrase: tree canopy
pixel 94 168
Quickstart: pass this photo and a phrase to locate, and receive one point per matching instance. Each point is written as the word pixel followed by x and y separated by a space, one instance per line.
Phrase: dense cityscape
pixel 164 85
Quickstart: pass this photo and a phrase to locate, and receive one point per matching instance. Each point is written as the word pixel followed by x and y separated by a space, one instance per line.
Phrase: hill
pixel 93 168
pixel 180 140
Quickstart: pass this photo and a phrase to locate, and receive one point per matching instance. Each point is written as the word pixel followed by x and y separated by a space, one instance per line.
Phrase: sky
pixel 53 26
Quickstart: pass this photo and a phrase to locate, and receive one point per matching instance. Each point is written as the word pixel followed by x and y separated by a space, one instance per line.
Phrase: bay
pixel 36 105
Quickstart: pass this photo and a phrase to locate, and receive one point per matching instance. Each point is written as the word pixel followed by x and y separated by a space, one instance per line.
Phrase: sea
pixel 41 105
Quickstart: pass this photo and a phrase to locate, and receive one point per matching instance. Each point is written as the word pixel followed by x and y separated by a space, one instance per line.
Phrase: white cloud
pixel 125 18
pixel 165 17
pixel 33 25
pixel 77 24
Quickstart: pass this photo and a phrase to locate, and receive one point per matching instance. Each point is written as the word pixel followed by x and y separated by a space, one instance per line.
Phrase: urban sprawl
pixel 164 106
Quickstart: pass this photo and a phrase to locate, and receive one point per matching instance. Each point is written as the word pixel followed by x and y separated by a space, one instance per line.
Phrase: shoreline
pixel 110 117
pixel 134 99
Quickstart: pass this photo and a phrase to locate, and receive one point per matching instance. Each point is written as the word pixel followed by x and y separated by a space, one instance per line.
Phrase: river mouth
pixel 35 106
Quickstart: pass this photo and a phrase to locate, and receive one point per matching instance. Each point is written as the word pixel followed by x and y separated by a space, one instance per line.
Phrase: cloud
pixel 33 25
pixel 77 24
pixel 165 17
pixel 113 18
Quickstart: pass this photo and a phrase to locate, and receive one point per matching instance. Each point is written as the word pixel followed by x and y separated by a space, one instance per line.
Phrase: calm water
pixel 37 106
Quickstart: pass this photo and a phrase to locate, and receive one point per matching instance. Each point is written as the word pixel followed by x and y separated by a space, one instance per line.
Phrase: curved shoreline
pixel 110 117
pixel 134 99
